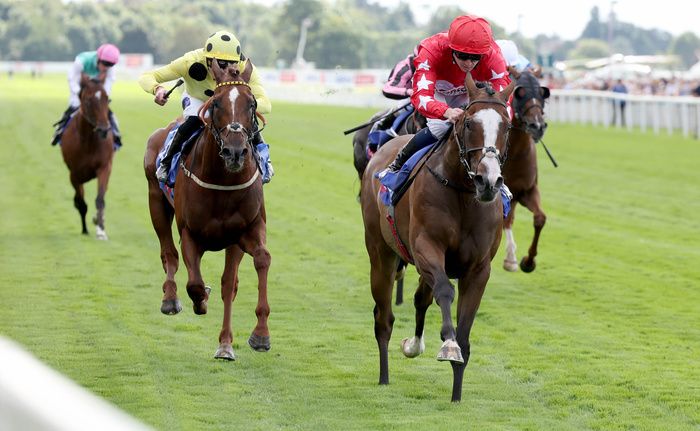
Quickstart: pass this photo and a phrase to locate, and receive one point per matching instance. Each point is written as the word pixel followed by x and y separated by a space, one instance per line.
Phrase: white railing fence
pixel 602 108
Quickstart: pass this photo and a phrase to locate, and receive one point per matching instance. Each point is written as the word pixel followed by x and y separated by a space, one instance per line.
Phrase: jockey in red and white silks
pixel 438 83
pixel 442 62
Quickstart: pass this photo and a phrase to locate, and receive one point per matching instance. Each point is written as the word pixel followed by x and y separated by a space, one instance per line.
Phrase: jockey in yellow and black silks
pixel 194 68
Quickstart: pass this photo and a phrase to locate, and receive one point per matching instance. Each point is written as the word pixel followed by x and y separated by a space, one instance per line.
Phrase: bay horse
pixel 449 222
pixel 87 146
pixel 218 204
pixel 410 126
pixel 520 168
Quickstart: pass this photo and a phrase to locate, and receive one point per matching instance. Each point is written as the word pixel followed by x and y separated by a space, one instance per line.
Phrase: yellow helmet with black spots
pixel 223 45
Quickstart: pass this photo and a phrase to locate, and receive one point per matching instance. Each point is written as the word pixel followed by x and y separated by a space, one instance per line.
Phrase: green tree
pixel 589 48
pixel 686 46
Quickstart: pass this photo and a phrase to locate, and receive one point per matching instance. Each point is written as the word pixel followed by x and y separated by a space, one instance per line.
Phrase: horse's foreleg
pixel 471 289
pixel 430 260
pixel 414 346
pixel 532 202
pixel 102 181
pixel 162 218
pixel 79 201
pixel 510 263
pixel 229 289
pixel 254 245
pixel 192 256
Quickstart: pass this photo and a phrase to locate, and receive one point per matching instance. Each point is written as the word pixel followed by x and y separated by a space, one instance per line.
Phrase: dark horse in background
pixel 361 157
pixel 450 221
pixel 520 167
pixel 218 204
pixel 87 146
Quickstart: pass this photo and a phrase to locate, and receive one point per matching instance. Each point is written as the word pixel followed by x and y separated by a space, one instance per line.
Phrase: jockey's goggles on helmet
pixel 466 56
pixel 225 63
pixel 106 63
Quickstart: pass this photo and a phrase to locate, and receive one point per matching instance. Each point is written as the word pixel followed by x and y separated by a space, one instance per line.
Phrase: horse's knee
pixel 444 292
pixel 100 202
pixel 540 220
pixel 80 204
pixel 262 259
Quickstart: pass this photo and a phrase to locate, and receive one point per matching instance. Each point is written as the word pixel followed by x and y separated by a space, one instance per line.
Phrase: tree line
pixel 344 33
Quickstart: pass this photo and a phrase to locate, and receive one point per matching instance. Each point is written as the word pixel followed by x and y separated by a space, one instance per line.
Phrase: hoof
pixel 225 352
pixel 170 306
pixel 201 306
pixel 259 343
pixel 412 347
pixel 101 234
pixel 527 265
pixel 510 265
pixel 450 351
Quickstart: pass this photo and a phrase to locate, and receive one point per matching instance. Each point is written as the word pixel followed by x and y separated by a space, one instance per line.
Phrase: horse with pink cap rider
pixel 96 65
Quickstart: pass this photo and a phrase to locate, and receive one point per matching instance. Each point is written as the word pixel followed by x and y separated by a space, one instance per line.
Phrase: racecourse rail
pixel 362 88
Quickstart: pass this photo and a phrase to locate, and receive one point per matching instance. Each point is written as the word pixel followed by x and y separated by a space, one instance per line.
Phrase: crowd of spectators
pixel 640 85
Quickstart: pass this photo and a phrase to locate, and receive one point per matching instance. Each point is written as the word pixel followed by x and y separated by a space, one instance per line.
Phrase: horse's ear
pixel 217 72
pixel 471 86
pixel 84 79
pixel 545 92
pixel 505 93
pixel 519 92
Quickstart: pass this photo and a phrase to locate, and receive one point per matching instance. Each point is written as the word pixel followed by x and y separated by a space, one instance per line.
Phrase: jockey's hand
pixel 161 98
pixel 452 114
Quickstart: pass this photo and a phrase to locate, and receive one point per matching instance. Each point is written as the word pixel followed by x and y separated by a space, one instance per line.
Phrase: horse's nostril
pixel 499 182
pixel 244 152
pixel 478 180
pixel 225 152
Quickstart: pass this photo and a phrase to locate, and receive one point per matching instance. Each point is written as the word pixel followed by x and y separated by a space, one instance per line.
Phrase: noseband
pixel 464 152
pixel 233 127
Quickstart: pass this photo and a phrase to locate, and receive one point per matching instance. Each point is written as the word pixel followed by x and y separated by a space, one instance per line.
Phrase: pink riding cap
pixel 108 52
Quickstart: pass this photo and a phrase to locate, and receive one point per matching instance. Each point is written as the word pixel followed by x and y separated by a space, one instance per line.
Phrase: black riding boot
pixel 61 124
pixel 186 129
pixel 420 140
pixel 115 129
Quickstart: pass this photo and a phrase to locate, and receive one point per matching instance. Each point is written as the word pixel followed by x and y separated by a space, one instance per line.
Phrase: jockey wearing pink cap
pixel 94 64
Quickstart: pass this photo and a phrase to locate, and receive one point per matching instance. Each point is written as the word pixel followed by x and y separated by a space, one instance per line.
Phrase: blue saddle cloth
pixel 175 162
pixel 392 181
pixel 377 138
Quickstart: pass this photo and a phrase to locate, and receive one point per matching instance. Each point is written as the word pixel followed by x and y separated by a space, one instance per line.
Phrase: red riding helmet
pixel 470 34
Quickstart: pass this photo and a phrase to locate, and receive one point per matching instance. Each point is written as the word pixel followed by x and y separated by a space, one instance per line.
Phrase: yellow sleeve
pixel 150 80
pixel 264 105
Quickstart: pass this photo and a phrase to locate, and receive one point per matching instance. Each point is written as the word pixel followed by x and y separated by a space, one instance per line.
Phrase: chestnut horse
pixel 218 204
pixel 520 168
pixel 87 146
pixel 450 222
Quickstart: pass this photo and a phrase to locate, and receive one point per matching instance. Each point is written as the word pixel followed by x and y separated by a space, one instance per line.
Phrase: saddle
pixel 381 135
pixel 169 186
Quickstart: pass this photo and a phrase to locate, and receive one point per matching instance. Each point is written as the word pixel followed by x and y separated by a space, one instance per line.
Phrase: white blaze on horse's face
pixel 98 95
pixel 490 121
pixel 232 96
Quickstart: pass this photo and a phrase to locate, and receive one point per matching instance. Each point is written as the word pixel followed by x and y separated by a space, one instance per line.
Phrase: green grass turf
pixel 604 335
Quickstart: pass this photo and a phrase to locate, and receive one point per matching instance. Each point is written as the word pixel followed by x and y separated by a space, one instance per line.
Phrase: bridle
pixel 464 151
pixel 90 121
pixel 233 127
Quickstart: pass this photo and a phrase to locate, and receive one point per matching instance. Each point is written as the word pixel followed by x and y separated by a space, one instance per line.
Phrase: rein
pixel 234 127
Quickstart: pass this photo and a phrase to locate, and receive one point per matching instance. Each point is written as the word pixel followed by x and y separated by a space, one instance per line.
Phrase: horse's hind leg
pixel 229 289
pixel 415 345
pixel 531 201
pixel 99 220
pixel 383 263
pixel 510 263
pixel 400 274
pixel 79 202
pixel 162 219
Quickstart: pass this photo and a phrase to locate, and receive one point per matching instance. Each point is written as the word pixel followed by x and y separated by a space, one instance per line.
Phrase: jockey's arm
pixel 74 76
pixel 150 81
pixel 264 104
pixel 109 80
pixel 423 97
